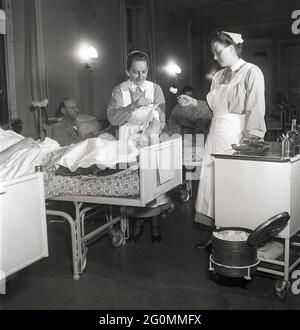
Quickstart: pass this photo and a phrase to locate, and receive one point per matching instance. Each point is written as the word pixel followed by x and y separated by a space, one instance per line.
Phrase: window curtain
pixel 7 78
pixel 124 42
pixel 35 71
pixel 151 39
pixel 190 51
pixel 4 118
pixel 34 44
pixel 3 92
pixel 2 21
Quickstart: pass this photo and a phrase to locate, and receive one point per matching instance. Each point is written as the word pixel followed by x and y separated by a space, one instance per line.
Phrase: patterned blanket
pixel 121 184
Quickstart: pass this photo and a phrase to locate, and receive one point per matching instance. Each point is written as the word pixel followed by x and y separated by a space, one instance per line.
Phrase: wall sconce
pixel 173 70
pixel 87 54
pixel 89 67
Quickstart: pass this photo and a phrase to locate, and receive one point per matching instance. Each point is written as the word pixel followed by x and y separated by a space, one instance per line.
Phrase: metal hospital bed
pixel 160 170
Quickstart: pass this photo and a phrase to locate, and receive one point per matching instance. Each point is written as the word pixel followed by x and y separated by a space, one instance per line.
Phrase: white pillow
pixel 87 126
pixel 8 138
pixel 24 161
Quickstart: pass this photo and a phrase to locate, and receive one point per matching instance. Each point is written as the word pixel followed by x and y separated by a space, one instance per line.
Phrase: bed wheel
pixel 171 207
pixel 164 214
pixel 184 195
pixel 217 277
pixel 282 289
pixel 116 238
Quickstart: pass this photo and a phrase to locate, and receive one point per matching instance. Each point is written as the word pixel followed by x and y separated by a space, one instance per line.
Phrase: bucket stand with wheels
pixel 234 256
pixel 250 268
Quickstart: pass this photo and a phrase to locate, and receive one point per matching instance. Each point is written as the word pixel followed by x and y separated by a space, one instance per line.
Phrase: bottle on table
pixel 294 137
pixel 285 147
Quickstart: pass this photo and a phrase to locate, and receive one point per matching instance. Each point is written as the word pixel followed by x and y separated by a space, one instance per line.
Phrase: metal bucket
pixel 233 258
pixel 238 258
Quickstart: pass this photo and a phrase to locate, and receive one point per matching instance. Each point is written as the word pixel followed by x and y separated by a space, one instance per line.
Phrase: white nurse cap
pixel 236 37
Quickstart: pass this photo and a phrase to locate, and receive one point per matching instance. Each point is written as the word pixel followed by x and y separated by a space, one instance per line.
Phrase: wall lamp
pixel 87 54
pixel 173 70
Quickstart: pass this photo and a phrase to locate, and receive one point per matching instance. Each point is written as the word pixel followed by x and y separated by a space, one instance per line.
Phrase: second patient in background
pixel 184 119
pixel 74 126
pixel 65 131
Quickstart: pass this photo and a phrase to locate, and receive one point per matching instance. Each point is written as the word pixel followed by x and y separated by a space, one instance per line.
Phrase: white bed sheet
pixel 104 153
pixel 24 161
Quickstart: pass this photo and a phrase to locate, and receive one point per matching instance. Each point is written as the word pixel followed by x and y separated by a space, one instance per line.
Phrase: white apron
pixel 226 129
pixel 140 119
pixel 131 131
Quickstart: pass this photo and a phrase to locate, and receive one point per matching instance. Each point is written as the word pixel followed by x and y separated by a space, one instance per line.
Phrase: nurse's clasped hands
pixel 143 101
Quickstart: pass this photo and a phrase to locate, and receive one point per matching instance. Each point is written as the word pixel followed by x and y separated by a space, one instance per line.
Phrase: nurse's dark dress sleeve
pixel 255 103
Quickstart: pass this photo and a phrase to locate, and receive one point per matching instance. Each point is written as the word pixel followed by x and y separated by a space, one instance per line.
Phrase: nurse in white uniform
pixel 236 105
pixel 131 100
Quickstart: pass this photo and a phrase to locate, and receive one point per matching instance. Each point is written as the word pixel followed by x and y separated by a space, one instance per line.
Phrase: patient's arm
pixel 10 151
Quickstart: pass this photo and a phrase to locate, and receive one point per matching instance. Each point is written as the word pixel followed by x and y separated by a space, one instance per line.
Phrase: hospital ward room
pixel 149 155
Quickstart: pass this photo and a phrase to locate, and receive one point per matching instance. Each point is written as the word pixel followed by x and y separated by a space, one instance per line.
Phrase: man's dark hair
pixel 187 89
pixel 61 105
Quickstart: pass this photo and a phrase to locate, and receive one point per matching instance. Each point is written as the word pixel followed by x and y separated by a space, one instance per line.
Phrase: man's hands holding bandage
pixel 185 101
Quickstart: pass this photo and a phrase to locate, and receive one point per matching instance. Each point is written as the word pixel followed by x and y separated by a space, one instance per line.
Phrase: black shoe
pixel 204 245
pixel 155 234
pixel 137 231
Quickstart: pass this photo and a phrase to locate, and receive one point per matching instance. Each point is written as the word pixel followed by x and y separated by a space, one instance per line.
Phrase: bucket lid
pixel 269 228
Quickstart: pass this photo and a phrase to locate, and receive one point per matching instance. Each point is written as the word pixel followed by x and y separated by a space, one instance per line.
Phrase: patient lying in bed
pixel 19 156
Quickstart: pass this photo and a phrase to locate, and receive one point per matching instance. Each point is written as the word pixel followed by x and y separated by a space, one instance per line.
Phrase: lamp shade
pixel 172 68
pixel 87 53
pixel 2 22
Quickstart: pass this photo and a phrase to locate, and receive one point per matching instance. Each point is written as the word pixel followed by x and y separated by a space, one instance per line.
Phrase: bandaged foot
pixel 153 132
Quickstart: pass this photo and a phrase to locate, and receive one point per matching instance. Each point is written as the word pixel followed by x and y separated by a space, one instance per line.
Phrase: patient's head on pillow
pixel 87 126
